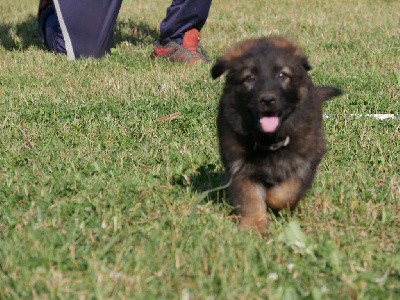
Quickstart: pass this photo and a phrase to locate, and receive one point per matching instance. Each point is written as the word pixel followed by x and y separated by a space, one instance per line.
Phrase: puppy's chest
pixel 272 167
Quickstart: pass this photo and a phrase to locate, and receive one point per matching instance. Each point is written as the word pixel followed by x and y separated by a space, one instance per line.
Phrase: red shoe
pixel 190 52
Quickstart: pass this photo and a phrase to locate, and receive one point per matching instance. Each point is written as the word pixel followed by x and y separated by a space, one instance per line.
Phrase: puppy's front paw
pixel 259 223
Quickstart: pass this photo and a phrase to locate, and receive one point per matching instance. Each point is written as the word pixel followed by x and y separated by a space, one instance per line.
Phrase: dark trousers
pixel 50 31
pixel 181 16
pixel 87 30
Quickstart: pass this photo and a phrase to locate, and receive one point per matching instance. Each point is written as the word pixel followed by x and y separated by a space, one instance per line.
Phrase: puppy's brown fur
pixel 269 126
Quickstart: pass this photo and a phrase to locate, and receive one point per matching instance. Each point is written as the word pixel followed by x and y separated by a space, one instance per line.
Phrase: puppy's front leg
pixel 285 194
pixel 248 198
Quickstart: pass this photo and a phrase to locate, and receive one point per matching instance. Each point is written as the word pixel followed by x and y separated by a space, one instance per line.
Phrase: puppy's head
pixel 266 80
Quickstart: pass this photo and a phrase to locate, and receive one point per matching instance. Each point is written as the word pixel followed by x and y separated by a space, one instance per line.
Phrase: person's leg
pixel 179 32
pixel 49 29
pixel 181 16
pixel 87 26
pixel 83 29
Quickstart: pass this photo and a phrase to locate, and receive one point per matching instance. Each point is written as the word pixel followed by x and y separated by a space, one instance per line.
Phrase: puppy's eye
pixel 283 75
pixel 248 78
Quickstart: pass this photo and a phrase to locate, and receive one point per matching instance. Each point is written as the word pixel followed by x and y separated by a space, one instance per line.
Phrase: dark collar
pixel 275 146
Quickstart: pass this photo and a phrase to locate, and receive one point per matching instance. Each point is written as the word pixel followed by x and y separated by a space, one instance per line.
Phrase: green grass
pixel 96 192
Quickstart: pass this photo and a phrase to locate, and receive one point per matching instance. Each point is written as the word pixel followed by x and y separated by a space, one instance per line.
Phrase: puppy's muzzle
pixel 267 99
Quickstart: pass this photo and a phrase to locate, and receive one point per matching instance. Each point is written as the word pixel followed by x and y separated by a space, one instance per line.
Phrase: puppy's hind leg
pixel 248 198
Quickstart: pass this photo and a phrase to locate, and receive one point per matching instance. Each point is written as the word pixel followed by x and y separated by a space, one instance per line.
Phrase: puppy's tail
pixel 328 92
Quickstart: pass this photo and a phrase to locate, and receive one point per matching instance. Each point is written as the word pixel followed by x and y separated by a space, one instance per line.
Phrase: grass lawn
pixel 99 189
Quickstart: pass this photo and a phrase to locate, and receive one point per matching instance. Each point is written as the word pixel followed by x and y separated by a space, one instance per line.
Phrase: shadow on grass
pixel 134 33
pixel 205 179
pixel 20 36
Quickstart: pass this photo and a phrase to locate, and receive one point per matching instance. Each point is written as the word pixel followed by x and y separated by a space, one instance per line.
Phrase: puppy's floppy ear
pixel 219 68
pixel 305 64
pixel 327 92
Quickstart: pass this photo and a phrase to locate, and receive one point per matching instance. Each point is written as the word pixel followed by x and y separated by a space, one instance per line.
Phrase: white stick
pixel 375 116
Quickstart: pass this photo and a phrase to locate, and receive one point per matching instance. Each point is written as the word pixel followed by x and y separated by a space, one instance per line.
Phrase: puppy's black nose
pixel 267 99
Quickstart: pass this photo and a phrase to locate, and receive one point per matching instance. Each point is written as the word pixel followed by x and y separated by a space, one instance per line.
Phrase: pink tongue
pixel 269 124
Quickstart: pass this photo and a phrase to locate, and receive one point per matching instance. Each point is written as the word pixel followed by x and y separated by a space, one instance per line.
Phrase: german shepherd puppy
pixel 269 126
